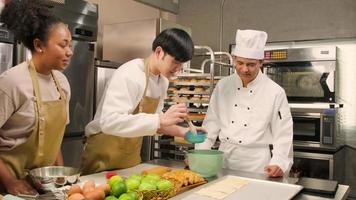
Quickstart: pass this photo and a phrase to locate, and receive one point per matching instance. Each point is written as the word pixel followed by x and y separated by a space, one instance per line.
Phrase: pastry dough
pixel 223 188
pixel 184 177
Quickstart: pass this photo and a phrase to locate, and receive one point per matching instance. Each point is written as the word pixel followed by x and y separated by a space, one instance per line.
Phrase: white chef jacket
pixel 247 120
pixel 121 96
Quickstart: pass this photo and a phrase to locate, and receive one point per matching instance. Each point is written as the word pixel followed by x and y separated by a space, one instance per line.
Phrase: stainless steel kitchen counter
pixel 341 193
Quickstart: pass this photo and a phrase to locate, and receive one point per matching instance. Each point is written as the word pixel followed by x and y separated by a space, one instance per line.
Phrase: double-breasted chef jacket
pixel 247 121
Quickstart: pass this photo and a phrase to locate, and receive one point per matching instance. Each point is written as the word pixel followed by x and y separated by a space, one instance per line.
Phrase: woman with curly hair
pixel 34 95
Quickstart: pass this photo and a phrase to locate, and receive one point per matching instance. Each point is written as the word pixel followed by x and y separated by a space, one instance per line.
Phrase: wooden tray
pixel 189 187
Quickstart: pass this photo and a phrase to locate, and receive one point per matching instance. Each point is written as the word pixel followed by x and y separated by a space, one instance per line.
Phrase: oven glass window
pixel 313 168
pixel 306 129
pixel 304 81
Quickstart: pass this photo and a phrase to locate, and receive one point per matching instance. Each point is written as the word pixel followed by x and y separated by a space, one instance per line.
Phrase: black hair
pixel 29 20
pixel 176 42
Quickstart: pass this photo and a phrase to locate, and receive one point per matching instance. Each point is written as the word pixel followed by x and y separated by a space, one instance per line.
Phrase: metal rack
pixel 194 87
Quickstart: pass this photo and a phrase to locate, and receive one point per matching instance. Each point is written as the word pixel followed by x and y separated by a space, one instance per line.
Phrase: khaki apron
pixel 107 152
pixel 43 145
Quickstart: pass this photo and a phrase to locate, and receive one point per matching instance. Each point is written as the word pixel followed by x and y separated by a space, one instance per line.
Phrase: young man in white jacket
pixel 132 104
pixel 248 112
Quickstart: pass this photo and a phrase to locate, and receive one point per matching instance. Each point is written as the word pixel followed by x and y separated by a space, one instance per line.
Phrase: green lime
pixel 135 176
pixel 164 184
pixel 126 197
pixel 132 183
pixel 115 179
pixel 147 186
pixel 149 180
pixel 155 177
pixel 134 195
pixel 110 198
pixel 117 189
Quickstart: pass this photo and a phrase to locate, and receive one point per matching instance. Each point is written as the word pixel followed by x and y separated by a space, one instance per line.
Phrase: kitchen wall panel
pixel 284 20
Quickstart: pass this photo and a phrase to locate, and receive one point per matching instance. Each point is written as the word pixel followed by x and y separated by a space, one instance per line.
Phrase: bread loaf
pixel 160 170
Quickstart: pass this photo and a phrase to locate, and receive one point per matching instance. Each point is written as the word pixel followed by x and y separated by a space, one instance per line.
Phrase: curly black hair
pixel 29 20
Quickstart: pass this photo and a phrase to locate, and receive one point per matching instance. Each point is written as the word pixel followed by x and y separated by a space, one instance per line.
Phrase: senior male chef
pixel 249 113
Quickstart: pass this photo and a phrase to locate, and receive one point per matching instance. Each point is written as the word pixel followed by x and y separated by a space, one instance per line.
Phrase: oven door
pixel 304 81
pixel 306 129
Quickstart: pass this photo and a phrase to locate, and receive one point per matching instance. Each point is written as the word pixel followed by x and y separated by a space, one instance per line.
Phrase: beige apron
pixel 107 152
pixel 43 145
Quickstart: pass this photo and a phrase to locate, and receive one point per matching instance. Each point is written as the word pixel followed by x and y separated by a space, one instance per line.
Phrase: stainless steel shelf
pixel 192 93
pixel 190 84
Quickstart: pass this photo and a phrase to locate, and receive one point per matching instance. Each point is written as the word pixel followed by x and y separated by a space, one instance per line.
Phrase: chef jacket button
pixel 238 88
pixel 240 141
pixel 227 138
pixel 232 121
pixel 248 108
pixel 245 125
pixel 250 91
pixel 235 105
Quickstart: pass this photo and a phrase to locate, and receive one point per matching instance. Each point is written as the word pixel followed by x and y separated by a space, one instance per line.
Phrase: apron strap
pixel 38 103
pixel 36 89
pixel 147 74
pixel 59 88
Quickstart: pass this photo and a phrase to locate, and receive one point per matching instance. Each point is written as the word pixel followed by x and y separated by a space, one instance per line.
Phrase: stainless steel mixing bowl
pixel 51 177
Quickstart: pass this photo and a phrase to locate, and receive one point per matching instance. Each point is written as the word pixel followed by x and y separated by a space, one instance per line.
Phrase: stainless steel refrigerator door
pixel 103 76
pixel 80 74
pixel 5 56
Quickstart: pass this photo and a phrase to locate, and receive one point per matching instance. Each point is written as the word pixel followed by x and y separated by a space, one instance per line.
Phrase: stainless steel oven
pixel 325 165
pixel 306 74
pixel 316 127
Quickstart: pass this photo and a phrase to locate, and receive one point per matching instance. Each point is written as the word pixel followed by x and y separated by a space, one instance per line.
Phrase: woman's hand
pixel 16 187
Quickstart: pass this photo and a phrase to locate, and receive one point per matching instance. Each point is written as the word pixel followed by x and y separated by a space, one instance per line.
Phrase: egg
pixel 87 190
pixel 88 187
pixel 104 187
pixel 74 189
pixel 89 183
pixel 76 196
pixel 96 194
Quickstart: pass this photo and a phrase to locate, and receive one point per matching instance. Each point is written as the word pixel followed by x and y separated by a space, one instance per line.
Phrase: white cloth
pixel 121 96
pixel 247 120
pixel 250 44
pixel 17 112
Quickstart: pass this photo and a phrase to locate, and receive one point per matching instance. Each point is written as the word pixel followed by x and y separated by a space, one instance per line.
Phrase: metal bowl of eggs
pixel 49 178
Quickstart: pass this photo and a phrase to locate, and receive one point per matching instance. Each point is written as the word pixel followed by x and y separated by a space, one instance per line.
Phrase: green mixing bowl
pixel 206 162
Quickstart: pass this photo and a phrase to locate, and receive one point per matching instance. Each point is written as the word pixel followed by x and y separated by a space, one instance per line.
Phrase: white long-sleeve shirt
pixel 254 116
pixel 121 96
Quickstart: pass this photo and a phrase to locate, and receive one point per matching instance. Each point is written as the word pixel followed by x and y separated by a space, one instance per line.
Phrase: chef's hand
pixel 175 114
pixel 16 187
pixel 274 171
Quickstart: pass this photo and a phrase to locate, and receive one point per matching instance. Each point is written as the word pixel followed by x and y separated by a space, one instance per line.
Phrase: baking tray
pixel 254 190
